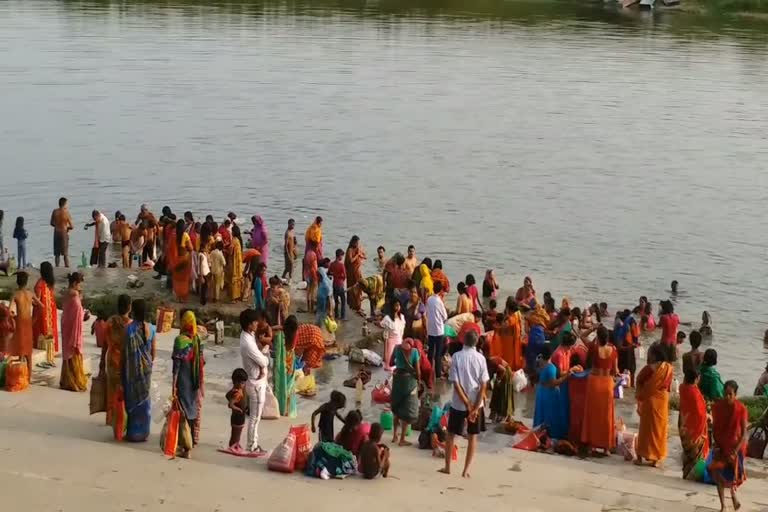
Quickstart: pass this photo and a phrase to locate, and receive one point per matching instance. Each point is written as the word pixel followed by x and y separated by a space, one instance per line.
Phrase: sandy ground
pixel 55 457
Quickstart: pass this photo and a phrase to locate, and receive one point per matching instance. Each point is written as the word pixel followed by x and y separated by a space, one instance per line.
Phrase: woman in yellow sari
pixel 116 334
pixel 426 285
pixel 235 284
pixel 653 384
pixel 181 265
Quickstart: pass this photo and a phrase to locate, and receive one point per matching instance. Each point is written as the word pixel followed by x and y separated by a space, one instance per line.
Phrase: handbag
pixel 98 401
pixel 758 440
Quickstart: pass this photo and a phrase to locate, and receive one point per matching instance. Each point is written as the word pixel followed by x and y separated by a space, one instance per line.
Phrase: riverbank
pixel 43 430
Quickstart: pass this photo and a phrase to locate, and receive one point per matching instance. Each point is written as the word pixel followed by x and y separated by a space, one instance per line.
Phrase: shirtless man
pixel 289 249
pixel 61 221
pixel 410 261
pixel 150 222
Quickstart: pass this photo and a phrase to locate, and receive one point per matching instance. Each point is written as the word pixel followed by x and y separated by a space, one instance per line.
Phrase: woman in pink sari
pixel 260 238
pixel 72 374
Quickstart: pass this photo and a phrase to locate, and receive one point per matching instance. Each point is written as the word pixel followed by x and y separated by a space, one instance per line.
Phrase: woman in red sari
pixel 692 425
pixel 45 323
pixel 597 430
pixel 729 433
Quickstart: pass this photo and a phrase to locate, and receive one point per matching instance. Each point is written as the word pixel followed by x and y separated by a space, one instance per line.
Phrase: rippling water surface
pixel 603 153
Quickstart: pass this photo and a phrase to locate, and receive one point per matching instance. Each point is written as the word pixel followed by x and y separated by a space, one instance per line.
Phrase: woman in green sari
pixel 710 382
pixel 188 364
pixel 405 389
pixel 285 377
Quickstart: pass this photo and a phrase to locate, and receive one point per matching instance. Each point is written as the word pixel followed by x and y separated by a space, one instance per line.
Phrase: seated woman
pixel 692 425
pixel 729 430
pixel 352 436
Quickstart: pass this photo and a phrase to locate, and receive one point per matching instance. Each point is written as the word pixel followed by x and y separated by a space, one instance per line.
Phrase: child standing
pixel 374 456
pixel 218 264
pixel 238 402
pixel 21 235
pixel 339 274
pixel 99 329
pixel 203 274
pixel 328 411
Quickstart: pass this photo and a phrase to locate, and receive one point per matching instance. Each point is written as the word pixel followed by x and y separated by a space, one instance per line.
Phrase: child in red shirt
pixel 339 274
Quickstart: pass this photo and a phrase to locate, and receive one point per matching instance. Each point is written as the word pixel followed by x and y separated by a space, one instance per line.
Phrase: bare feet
pixel 465 474
pixel 736 503
pixel 404 443
pixel 444 471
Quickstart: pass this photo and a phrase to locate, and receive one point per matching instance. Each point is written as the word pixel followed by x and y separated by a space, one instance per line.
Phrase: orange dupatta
pixel 653 405
pixel 44 318
pixel 507 342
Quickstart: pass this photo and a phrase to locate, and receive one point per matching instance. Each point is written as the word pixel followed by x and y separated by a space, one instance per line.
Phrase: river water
pixel 601 152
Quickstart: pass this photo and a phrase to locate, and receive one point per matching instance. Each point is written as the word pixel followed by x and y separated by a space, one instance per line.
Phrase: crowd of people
pixel 574 356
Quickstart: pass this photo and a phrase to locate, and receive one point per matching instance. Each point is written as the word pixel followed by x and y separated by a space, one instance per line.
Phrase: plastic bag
pixel 283 458
pixel 356 355
pixel 271 407
pixel 170 441
pixel 330 324
pixel 625 445
pixel 382 393
pixel 17 375
pixel 185 433
pixel 528 441
pixel 303 445
pixel 639 353
pixel 306 386
pixel 164 319
pixel 98 401
pixel 372 358
pixel 519 380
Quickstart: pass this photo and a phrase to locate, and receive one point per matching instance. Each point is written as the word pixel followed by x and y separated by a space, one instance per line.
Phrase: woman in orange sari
pixel 181 262
pixel 507 342
pixel 116 335
pixel 692 425
pixel 597 430
pixel 236 263
pixel 653 384
pixel 45 324
pixel 729 433
pixel 353 265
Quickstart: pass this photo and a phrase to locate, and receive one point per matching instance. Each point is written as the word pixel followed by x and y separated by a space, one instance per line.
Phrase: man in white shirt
pixel 102 236
pixel 255 364
pixel 469 376
pixel 436 317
